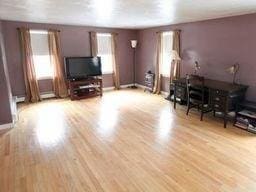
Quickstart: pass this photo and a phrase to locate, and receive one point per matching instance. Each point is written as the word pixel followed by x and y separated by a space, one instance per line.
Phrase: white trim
pixel 140 86
pixel 20 99
pixel 45 78
pixel 47 95
pixel 121 86
pixel 52 95
pixel 165 75
pixel 167 33
pixel 104 34
pixel 164 93
pixel 108 88
pixel 126 86
pixel 14 109
pixel 38 31
pixel 107 73
pixel 6 126
pixel 43 96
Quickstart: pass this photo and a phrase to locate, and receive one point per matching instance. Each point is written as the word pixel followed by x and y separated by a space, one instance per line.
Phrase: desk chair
pixel 197 95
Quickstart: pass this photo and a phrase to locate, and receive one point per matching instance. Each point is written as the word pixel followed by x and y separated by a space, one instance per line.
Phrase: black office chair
pixel 197 95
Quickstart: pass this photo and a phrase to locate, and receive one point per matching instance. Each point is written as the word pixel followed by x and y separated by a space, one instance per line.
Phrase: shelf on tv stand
pixel 85 88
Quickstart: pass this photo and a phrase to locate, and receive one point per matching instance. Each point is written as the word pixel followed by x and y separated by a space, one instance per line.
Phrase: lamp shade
pixel 134 43
pixel 233 69
pixel 175 56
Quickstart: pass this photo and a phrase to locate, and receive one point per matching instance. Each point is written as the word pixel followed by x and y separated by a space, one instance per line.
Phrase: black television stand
pixel 85 88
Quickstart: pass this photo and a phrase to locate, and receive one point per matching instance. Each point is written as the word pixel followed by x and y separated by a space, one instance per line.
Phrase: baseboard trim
pixel 108 88
pixel 43 96
pixel 6 126
pixel 19 99
pixel 113 88
pixel 140 86
pixel 164 93
pixel 52 95
pixel 47 95
pixel 126 86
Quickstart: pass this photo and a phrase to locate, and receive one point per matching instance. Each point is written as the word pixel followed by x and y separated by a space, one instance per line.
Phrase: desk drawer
pixel 218 107
pixel 218 99
pixel 218 93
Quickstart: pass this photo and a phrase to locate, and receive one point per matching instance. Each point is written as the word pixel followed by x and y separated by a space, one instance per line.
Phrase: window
pixel 41 55
pixel 105 52
pixel 166 60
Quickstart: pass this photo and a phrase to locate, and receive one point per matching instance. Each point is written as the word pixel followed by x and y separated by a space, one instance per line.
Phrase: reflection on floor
pixel 125 141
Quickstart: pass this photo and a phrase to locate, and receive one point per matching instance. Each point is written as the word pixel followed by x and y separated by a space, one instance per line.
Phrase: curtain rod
pixel 18 28
pixel 168 30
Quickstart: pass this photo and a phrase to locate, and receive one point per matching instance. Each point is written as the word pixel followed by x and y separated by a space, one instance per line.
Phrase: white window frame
pixel 102 63
pixel 166 55
pixel 44 32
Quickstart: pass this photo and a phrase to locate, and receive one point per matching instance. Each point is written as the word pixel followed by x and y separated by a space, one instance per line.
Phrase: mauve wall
pixel 5 93
pixel 74 42
pixel 215 44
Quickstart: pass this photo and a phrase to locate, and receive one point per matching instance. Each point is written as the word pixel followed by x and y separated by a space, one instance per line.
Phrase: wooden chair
pixel 197 95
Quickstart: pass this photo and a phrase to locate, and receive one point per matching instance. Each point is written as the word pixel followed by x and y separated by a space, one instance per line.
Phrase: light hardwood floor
pixel 124 141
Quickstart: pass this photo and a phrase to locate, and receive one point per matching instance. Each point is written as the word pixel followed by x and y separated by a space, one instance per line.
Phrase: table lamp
pixel 233 70
pixel 196 68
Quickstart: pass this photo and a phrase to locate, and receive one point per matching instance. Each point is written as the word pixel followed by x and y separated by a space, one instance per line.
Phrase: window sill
pixel 107 73
pixel 44 78
pixel 165 76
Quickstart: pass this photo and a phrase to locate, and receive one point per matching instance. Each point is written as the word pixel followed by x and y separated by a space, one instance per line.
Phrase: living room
pixel 127 96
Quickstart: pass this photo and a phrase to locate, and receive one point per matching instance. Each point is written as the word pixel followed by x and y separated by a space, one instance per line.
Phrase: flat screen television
pixel 82 67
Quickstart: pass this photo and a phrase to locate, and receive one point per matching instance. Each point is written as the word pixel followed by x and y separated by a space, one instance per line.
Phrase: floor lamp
pixel 175 59
pixel 134 45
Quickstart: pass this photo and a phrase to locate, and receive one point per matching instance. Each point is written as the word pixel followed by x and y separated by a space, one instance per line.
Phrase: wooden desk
pixel 223 96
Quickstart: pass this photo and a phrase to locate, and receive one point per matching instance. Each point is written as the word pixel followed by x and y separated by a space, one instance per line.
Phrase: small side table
pixel 149 81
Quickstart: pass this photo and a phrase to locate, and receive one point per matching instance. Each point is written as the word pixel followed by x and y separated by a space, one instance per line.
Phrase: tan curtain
pixel 157 85
pixel 31 84
pixel 175 74
pixel 116 75
pixel 59 84
pixel 94 44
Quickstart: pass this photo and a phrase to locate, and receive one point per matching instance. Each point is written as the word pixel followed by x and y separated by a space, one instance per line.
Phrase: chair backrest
pixel 195 80
pixel 195 88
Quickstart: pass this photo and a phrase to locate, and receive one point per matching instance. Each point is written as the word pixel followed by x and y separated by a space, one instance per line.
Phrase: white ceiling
pixel 122 13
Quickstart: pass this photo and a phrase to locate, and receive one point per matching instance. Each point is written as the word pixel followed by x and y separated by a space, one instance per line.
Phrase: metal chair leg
pixel 188 109
pixel 202 112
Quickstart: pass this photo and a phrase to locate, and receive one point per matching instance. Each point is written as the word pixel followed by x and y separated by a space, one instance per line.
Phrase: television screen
pixel 82 67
